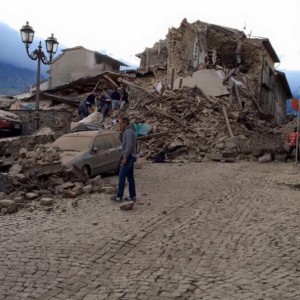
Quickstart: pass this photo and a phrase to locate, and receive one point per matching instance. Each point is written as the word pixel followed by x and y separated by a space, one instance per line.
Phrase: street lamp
pixel 27 34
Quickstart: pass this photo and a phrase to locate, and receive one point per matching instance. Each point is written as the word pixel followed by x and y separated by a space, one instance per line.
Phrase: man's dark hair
pixel 125 120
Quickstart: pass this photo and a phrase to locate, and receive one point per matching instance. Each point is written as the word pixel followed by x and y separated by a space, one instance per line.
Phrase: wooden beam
pixel 227 121
pixel 138 87
pixel 228 75
pixel 237 95
pixel 97 85
pixel 72 101
pixel 172 79
pixel 165 114
pixel 206 96
pixel 111 81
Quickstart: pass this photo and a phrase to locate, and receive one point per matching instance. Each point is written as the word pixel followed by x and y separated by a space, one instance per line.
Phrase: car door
pixel 100 155
pixel 116 152
pixel 111 160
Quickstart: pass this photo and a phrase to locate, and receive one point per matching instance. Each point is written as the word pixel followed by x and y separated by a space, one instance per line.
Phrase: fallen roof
pixel 82 85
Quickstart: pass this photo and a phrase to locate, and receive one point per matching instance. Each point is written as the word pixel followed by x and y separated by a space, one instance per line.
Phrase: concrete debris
pixel 37 174
pixel 210 81
pixel 8 206
pixel 47 201
pixel 127 205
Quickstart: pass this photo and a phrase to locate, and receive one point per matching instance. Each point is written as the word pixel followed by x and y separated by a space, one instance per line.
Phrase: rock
pixel 267 157
pixel 67 185
pixel 280 157
pixel 32 154
pixel 47 201
pixel 108 190
pixel 3 196
pixel 53 180
pixel 58 189
pixel 70 194
pixel 220 145
pixel 15 169
pixel 97 181
pixel 19 199
pixel 23 152
pixel 31 196
pixel 20 177
pixel 127 205
pixel 77 190
pixel 3 210
pixel 5 183
pixel 87 189
pixel 96 188
pixel 9 205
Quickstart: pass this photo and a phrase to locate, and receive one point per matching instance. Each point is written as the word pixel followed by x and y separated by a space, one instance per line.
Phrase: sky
pixel 122 29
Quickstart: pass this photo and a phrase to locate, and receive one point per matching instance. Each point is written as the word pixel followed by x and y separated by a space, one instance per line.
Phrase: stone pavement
pixel 198 231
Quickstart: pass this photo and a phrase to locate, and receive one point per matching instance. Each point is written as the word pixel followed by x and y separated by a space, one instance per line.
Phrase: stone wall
pixel 58 120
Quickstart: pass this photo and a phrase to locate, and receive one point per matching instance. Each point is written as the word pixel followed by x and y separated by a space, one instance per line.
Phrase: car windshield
pixel 73 143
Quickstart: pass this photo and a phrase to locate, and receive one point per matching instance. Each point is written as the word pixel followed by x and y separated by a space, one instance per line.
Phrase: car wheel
pixel 86 170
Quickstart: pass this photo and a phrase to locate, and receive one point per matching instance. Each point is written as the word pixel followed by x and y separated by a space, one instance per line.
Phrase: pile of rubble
pixel 188 124
pixel 38 174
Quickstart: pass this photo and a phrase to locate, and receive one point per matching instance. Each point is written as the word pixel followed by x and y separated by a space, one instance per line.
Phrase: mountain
pixel 14 80
pixel 17 70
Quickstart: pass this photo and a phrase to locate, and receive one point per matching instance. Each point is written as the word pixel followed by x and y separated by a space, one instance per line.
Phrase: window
pixel 104 142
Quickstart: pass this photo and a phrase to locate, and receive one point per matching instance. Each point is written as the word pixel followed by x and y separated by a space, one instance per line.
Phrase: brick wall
pixel 58 120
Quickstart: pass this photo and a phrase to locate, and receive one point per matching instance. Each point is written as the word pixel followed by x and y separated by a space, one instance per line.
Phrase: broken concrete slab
pixel 207 80
pixel 9 206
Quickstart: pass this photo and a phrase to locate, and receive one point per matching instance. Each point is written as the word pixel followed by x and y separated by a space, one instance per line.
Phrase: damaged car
pixel 93 152
pixel 10 124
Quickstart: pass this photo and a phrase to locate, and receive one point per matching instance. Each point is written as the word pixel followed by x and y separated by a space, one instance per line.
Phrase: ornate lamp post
pixel 27 34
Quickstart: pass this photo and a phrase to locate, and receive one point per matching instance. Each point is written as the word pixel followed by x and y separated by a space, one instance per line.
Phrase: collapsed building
pixel 201 46
pixel 218 86
pixel 207 92
pixel 205 82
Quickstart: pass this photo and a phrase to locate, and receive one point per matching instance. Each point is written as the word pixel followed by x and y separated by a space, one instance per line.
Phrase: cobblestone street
pixel 198 231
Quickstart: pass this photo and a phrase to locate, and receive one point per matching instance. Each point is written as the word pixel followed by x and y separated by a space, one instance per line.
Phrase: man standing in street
pixel 292 140
pixel 128 159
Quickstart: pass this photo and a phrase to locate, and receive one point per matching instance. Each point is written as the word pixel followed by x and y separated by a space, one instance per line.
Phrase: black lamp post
pixel 27 34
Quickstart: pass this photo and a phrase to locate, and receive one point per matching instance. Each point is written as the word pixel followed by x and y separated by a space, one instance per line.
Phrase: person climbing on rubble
pixel 292 140
pixel 115 99
pixel 84 109
pixel 104 102
pixel 124 100
pixel 91 98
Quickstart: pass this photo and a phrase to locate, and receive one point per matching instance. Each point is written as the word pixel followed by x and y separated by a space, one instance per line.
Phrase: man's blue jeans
pixel 127 171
